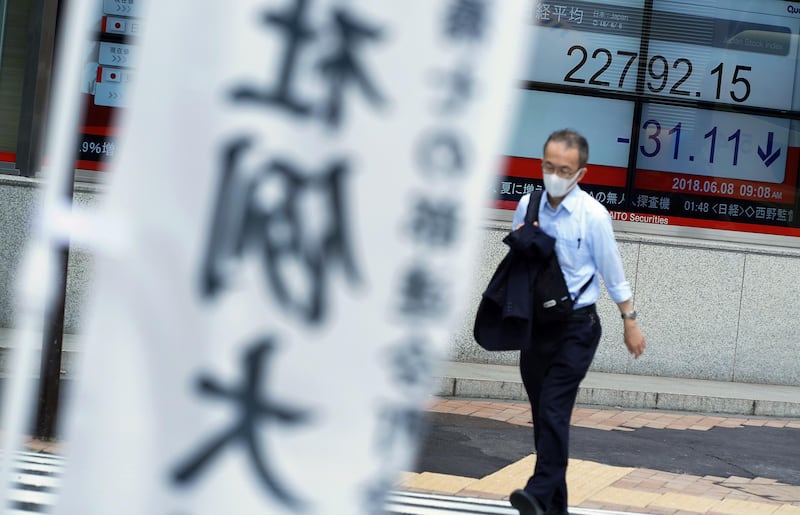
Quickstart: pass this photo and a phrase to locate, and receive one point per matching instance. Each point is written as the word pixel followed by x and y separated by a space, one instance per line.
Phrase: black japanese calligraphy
pixel 338 69
pixel 254 411
pixel 460 85
pixel 259 211
pixel 443 152
pixel 297 33
pixel 422 293
pixel 466 19
pixel 412 363
pixel 342 67
pixel 435 223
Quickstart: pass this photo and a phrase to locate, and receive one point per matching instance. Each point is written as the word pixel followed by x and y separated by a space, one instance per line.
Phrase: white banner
pixel 296 202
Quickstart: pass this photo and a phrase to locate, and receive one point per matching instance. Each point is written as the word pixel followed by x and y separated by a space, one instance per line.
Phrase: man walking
pixel 560 353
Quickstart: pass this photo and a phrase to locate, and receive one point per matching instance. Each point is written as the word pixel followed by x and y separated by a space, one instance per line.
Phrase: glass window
pixel 14 21
pixel 691 109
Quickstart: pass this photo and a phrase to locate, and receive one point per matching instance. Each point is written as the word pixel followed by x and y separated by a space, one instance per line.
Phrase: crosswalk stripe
pixel 35 483
pixel 412 503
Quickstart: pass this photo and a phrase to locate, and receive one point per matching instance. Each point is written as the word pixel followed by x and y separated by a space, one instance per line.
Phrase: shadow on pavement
pixel 475 447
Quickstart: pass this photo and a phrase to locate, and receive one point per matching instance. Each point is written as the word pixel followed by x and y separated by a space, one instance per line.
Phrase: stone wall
pixel 18 198
pixel 709 310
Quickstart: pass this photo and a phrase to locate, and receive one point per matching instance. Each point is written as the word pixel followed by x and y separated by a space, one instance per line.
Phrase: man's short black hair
pixel 572 139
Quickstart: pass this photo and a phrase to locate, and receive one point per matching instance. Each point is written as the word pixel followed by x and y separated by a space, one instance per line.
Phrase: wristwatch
pixel 631 315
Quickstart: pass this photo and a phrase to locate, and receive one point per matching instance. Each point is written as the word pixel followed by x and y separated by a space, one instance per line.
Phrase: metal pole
pixel 3 10
pixel 52 343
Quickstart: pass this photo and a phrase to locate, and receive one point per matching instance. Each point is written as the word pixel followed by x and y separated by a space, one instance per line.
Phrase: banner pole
pixel 36 290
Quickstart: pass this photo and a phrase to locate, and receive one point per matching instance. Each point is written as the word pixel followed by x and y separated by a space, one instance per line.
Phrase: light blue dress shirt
pixel 585 244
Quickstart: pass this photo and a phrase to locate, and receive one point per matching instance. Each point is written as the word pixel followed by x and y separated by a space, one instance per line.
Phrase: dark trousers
pixel 552 369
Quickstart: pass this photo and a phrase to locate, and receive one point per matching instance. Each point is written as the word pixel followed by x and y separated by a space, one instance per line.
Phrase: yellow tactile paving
pixel 403 477
pixel 442 483
pixel 586 478
pixel 507 478
pixel 736 507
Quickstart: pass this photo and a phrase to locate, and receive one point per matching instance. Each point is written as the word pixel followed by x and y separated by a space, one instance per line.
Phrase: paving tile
pixel 735 507
pixel 728 423
pixel 441 483
pixel 684 502
pixel 763 481
pixel 586 478
pixel 787 509
pixel 773 491
pixel 483 495
pixel 624 496
pixel 712 420
pixel 700 488
pixel 506 479
pixel 465 410
pixel 45 446
pixel 634 424
pixel 404 477
pixel 736 480
pixel 651 484
pixel 678 426
pixel 521 421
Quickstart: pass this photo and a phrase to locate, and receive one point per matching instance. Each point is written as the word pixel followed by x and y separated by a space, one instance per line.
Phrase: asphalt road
pixel 474 447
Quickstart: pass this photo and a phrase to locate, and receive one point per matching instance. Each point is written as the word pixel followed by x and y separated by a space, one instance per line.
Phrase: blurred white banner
pixel 295 208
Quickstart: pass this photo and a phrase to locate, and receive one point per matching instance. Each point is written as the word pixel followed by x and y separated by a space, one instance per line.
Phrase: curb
pixel 501 382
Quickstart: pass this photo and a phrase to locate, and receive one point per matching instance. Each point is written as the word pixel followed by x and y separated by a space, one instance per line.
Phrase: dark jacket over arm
pixel 504 317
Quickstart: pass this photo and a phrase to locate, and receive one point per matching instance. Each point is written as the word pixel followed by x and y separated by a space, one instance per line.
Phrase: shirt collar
pixel 570 202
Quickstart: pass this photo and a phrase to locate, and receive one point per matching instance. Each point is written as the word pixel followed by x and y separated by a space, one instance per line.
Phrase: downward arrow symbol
pixel 766 155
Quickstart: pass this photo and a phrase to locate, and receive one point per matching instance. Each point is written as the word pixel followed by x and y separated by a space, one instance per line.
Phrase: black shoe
pixel 554 512
pixel 525 503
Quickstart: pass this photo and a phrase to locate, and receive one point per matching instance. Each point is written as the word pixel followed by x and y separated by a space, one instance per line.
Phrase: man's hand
pixel 634 338
pixel 535 224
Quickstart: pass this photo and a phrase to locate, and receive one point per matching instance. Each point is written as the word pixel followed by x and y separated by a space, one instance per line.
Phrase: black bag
pixel 551 299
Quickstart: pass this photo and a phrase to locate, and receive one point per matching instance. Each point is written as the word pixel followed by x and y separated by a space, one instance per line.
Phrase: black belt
pixel 584 311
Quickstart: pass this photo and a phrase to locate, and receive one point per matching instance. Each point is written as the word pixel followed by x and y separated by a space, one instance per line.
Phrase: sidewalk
pixel 608 402
pixel 500 382
pixel 616 402
pixel 598 486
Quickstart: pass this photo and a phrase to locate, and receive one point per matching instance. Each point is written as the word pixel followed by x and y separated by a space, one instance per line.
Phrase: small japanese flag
pixel 113 25
pixel 106 74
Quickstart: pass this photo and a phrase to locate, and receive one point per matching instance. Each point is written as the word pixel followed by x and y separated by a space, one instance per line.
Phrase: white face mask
pixel 557 186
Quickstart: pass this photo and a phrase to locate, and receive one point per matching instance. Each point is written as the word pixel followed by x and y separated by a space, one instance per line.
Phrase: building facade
pixel 692 112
